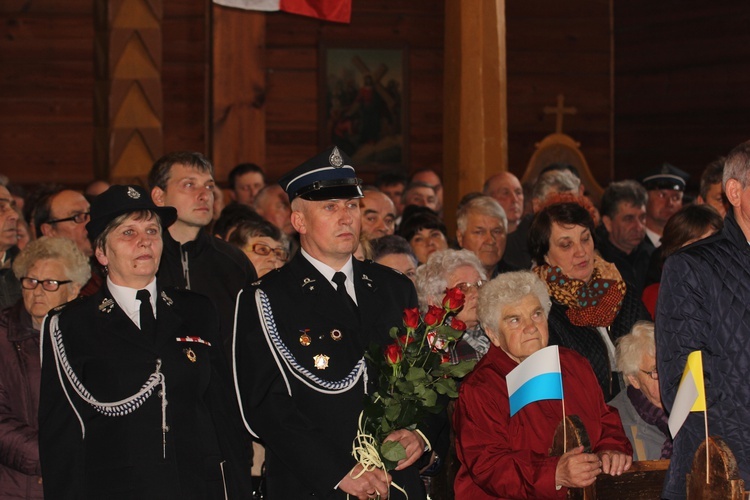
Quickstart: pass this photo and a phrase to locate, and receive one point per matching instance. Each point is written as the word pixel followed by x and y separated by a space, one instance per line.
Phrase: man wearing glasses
pixel 192 258
pixel 64 214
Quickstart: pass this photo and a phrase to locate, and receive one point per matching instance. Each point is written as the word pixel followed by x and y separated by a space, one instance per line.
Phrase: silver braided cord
pixel 115 408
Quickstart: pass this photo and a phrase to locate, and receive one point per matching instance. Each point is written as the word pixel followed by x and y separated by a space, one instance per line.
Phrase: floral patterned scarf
pixel 595 303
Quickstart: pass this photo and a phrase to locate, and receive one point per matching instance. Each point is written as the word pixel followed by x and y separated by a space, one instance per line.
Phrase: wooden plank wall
pixel 682 72
pixel 559 48
pixel 293 43
pixel 47 86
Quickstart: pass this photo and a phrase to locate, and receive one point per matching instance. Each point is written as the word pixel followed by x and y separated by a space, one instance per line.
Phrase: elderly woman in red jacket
pixel 504 456
pixel 51 272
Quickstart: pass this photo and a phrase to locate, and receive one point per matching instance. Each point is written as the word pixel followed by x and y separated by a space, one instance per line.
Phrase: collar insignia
pixel 166 298
pixel 107 305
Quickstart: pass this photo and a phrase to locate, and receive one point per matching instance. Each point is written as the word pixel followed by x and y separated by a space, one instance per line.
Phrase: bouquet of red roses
pixel 413 373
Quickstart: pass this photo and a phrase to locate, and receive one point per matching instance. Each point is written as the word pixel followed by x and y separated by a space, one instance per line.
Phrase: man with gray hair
pixel 553 181
pixel 621 236
pixel 482 228
pixel 703 306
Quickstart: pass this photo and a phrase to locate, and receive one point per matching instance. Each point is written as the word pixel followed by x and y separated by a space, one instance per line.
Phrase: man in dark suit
pixel 300 339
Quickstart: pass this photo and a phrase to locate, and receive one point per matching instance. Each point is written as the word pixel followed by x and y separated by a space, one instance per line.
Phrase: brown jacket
pixel 20 473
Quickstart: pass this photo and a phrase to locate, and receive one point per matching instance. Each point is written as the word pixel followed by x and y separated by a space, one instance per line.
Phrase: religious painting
pixel 363 92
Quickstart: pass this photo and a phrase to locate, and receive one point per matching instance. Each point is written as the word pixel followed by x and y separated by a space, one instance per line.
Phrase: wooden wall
pixel 47 86
pixel 559 48
pixel 682 72
pixel 292 44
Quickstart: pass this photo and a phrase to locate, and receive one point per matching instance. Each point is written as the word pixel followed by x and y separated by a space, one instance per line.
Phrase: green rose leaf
pixel 415 374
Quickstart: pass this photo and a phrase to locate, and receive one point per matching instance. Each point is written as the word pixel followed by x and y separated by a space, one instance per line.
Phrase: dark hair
pixel 247 229
pixel 161 171
pixel 689 223
pixel 242 169
pixel 38 210
pixel 467 198
pixel 711 175
pixel 390 245
pixel 417 218
pixel 414 185
pixel 390 178
pixel 232 215
pixel 624 191
pixel 565 214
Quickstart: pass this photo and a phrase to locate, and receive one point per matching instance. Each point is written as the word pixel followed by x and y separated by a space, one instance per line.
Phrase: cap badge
pixel 321 361
pixel 335 158
pixel 133 193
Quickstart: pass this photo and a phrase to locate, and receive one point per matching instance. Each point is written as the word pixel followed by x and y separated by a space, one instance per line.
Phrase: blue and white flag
pixel 538 377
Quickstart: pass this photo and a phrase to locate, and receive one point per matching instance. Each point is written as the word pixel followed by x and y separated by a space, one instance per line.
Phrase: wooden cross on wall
pixel 560 110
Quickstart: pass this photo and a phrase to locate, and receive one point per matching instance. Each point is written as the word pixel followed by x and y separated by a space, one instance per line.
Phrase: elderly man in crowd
pixel 430 177
pixel 481 225
pixel 272 204
pixel 624 223
pixel 507 190
pixel 378 214
pixel 10 288
pixel 702 306
pixel 420 194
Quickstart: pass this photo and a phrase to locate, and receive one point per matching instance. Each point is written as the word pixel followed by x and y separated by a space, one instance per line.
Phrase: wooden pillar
pixel 475 126
pixel 128 107
pixel 239 88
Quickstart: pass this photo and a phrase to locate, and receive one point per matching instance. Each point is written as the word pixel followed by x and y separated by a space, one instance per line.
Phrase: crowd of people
pixel 160 343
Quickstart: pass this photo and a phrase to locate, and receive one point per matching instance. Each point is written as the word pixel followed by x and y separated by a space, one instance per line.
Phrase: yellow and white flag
pixel 691 395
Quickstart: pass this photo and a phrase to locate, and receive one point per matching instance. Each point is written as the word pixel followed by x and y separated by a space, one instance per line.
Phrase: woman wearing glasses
pixel 455 269
pixel 265 246
pixel 51 272
pixel 136 398
pixel 641 411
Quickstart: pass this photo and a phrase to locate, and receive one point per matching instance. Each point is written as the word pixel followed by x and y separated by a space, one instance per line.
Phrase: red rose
pixel 434 315
pixel 411 317
pixel 393 354
pixel 446 358
pixel 454 299
pixel 406 339
pixel 457 324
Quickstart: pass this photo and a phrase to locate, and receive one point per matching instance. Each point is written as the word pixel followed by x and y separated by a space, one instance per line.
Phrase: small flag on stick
pixel 691 394
pixel 538 377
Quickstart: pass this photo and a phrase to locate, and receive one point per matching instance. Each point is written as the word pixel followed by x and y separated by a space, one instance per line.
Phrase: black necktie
pixel 340 278
pixel 148 321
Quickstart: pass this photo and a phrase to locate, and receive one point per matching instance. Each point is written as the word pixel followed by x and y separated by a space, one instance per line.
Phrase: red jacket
pixel 507 457
pixel 20 473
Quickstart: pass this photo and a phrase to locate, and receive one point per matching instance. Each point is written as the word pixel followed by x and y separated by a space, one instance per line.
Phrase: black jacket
pixel 122 457
pixel 307 417
pixel 703 305
pixel 211 267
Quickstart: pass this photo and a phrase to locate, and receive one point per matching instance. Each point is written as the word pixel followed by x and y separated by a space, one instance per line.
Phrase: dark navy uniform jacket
pixel 123 457
pixel 307 416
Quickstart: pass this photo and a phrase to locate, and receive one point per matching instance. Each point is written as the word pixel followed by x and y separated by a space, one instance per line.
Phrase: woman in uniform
pixel 136 400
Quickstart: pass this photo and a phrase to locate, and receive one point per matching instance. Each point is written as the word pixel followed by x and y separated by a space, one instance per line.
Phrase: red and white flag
pixel 339 11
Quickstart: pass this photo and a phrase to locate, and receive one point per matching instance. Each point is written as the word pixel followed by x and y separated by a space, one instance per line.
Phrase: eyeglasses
pixel 653 374
pixel 49 285
pixel 465 287
pixel 264 250
pixel 77 218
